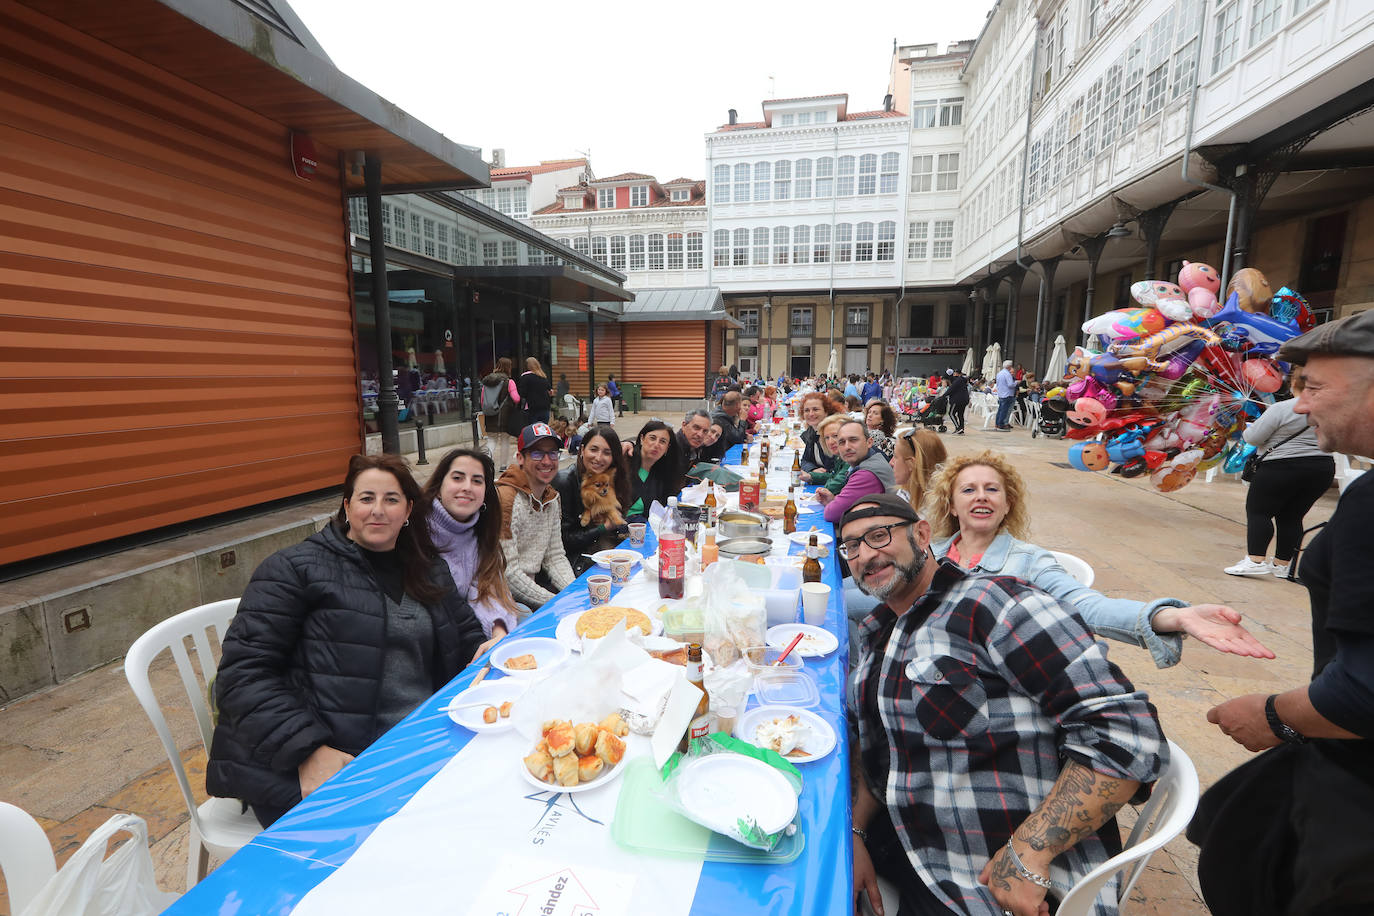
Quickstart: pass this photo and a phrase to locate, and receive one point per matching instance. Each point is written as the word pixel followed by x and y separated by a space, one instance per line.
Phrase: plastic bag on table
pixel 733 788
pixel 735 616
pixel 93 884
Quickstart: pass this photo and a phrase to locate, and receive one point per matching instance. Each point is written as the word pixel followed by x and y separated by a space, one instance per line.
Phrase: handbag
pixel 1247 471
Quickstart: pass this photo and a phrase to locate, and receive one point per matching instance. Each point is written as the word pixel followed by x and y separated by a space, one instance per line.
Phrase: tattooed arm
pixel 1080 802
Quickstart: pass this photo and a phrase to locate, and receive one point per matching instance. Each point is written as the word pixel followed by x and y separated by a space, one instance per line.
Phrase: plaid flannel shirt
pixel 985 686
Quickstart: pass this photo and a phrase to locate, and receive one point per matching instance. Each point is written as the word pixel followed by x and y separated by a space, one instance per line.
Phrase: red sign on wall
pixel 582 355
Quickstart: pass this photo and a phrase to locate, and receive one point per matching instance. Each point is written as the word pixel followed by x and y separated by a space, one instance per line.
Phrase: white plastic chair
pixel 219 825
pixel 1076 567
pixel 573 406
pixel 1163 817
pixel 26 858
pixel 1345 473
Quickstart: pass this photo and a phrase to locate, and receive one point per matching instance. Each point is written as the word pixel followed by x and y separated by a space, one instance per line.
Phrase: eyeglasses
pixel 544 456
pixel 877 538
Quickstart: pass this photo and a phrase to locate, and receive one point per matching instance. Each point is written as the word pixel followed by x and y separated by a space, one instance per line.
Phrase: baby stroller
pixel 1051 421
pixel 932 416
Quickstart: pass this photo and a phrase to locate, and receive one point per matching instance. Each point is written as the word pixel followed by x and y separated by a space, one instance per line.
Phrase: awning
pixel 699 303
pixel 267 62
pixel 556 284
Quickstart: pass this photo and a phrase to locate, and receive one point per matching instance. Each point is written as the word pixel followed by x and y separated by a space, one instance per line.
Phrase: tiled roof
pixel 625 176
pixel 865 115
pixel 742 125
pixel 809 98
pixel 680 181
pixel 580 186
pixel 549 165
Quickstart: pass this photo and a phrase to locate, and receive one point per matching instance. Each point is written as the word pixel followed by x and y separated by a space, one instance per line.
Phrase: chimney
pixel 887 102
pixel 734 116
pixel 498 159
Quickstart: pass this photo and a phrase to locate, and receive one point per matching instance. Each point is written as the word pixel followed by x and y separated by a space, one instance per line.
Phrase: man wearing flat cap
pixel 1292 831
pixel 995 741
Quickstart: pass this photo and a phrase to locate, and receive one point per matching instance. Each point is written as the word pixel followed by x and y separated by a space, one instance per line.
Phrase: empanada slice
pixel 561 740
pixel 584 738
pixel 565 770
pixel 540 765
pixel 588 767
pixel 609 748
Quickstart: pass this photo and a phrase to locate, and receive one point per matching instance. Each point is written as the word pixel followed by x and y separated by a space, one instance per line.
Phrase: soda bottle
pixel 789 512
pixel 811 569
pixel 700 724
pixel 672 553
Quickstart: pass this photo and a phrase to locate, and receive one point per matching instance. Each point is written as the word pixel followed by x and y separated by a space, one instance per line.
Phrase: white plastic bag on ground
pixel 93 884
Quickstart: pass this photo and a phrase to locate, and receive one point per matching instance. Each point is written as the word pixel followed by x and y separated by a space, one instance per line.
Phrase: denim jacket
pixel 1115 618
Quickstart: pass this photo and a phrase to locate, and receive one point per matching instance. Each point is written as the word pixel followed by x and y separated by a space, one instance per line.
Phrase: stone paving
pixel 76 753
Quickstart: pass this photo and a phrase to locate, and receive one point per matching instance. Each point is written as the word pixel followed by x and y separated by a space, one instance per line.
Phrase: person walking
pixel 1292 475
pixel 603 410
pixel 1006 395
pixel 1287 831
pixel 534 392
pixel 958 400
pixel 614 391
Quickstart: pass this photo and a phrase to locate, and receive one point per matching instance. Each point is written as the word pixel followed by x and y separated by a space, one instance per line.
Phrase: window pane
pixel 694 254
pixel 617 252
pixel 801 245
pixel 844 248
pixel 675 251
pixel 782 245
pixel 656 251
pixel 636 252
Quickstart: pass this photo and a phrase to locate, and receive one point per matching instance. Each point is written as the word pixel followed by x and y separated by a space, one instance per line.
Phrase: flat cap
pixel 1351 336
pixel 879 504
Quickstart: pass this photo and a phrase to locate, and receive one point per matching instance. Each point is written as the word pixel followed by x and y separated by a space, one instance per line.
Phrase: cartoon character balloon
pixel 1200 283
pixel 1251 289
pixel 1168 298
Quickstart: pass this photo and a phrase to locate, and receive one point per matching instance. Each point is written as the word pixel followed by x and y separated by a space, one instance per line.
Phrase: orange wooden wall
pixel 176 335
pixel 668 357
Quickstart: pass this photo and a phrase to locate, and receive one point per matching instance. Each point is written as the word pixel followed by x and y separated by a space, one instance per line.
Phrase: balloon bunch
pixel 1168 386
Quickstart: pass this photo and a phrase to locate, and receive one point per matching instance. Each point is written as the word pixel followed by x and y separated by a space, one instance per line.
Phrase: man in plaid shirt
pixel 995 740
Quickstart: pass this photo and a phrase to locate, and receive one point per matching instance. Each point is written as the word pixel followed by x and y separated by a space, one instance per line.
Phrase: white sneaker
pixel 1248 567
pixel 1280 571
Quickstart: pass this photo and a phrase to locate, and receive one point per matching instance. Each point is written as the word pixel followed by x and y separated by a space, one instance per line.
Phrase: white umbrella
pixel 1059 359
pixel 992 360
pixel 439 368
pixel 967 368
pixel 834 368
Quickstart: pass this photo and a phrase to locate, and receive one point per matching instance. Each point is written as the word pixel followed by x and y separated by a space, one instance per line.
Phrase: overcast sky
pixel 635 84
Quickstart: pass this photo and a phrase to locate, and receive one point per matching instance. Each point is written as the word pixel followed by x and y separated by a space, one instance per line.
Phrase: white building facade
pixel 806 232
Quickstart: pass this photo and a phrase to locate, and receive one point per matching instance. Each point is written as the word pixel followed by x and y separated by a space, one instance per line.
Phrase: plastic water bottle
pixel 672 553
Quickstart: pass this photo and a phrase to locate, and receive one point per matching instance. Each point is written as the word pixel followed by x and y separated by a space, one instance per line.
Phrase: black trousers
pixel 956 414
pixel 1280 495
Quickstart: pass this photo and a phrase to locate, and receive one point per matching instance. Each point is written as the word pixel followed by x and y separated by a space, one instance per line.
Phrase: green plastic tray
pixel 645 824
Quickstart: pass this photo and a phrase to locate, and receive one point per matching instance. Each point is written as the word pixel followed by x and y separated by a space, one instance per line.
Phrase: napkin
pixel 682 705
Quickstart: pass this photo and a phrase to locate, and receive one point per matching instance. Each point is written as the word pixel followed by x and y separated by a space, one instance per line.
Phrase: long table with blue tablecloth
pixel 316 841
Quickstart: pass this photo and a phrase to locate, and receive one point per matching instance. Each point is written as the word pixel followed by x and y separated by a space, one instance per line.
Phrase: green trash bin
pixel 631 396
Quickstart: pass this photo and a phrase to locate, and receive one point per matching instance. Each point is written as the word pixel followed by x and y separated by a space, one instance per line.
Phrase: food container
pixel 761 660
pixel 737 523
pixel 685 623
pixel 745 547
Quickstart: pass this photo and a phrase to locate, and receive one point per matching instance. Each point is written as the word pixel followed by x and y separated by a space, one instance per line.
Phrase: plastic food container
pixel 785 687
pixel 761 658
pixel 685 623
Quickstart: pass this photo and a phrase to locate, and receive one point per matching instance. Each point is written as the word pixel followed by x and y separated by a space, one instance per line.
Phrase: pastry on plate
pixel 589 767
pixel 540 765
pixel 584 738
pixel 615 725
pixel 609 748
pixel 565 770
pixel 561 740
pixel 524 662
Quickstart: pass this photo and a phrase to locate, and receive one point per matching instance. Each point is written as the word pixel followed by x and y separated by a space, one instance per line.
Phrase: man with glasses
pixel 537 567
pixel 871 471
pixel 995 741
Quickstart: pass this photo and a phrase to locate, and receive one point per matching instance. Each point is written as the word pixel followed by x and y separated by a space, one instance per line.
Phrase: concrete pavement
pixel 75 753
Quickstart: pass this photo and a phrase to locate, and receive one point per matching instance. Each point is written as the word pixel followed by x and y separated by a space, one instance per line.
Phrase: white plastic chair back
pixel 26 858
pixel 1163 817
pixel 219 825
pixel 1076 567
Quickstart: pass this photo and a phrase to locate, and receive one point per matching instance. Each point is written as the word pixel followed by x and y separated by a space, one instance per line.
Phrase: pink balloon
pixel 1262 375
pixel 1195 274
pixel 1203 302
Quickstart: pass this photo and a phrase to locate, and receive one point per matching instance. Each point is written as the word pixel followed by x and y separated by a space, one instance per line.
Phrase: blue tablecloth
pixel 282 864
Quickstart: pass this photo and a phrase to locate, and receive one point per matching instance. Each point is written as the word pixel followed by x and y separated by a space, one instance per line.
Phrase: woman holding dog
pixel 594 493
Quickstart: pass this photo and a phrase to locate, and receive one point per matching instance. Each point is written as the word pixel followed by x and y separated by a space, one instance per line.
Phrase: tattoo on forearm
pixel 1080 802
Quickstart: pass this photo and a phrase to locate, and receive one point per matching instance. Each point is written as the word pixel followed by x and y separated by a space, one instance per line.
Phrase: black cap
pixel 879 504
pixel 1351 336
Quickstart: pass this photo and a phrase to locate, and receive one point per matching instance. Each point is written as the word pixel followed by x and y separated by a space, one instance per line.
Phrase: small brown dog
pixel 599 502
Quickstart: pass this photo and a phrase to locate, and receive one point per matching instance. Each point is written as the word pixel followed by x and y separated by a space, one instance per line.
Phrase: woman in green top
pixel 656 470
pixel 831 480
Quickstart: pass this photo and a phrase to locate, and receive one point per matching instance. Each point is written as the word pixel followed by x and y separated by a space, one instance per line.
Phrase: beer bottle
pixel 700 725
pixel 764 451
pixel 789 512
pixel 709 507
pixel 811 569
pixel 763 485
pixel 796 468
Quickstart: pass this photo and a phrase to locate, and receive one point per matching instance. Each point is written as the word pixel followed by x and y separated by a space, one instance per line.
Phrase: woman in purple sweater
pixel 465 525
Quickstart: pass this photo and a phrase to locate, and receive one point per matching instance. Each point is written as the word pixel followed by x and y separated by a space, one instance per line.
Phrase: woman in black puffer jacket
pixel 601 452
pixel 335 641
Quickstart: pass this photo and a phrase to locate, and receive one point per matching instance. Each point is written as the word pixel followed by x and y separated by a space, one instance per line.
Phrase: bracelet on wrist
pixel 1026 873
pixel 860 833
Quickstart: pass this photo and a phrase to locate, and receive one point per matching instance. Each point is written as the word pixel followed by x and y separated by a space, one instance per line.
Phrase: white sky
pixel 636 84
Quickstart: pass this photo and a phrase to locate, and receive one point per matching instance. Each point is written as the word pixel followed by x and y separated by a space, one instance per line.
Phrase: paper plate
pixel 606 777
pixel 815 643
pixel 721 789
pixel 493 693
pixel 567 629
pixel 548 654
pixel 603 558
pixel 804 538
pixel 817 745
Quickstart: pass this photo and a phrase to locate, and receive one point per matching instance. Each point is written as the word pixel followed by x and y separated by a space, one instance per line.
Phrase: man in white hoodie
pixel 537 567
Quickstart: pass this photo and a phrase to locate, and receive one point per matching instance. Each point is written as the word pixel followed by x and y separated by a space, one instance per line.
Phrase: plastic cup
pixel 599 589
pixel 815 602
pixel 637 534
pixel 621 571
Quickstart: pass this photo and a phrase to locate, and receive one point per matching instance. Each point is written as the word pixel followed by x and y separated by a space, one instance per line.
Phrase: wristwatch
pixel 1282 732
